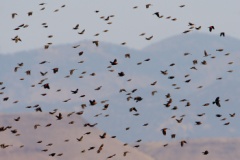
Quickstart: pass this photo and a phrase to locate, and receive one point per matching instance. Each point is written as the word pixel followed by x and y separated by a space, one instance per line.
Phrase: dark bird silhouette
pixel 173 135
pixel 127 55
pixel 205 53
pixel 111 156
pixel 82 32
pixel 148 5
pixel 164 72
pixel 52 154
pixel 100 148
pixel 55 70
pixel 199 115
pixel 157 14
pixel 198 123
pixel 211 28
pixel 5 98
pixel 222 34
pixel 132 109
pixel 92 102
pixel 13 15
pixel 80 139
pixel 114 62
pixel 43 73
pixel 17 119
pixel 138 98
pixel 96 43
pixel 30 13
pixel 121 74
pixel 46 86
pixel 154 83
pixel 217 102
pixel 149 38
pixel 232 115
pixel 179 120
pixel 59 116
pixel 205 152
pixel 16 39
pixel 103 135
pixel 182 143
pixel 76 27
pixel 38 109
pixel 164 131
pixel 227 123
pixel 98 88
pixel 75 92
pixel 125 153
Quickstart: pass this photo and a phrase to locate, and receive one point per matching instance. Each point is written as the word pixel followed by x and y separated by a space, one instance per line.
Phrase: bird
pixel 205 53
pixel 75 92
pixel 155 82
pixel 232 115
pixel 82 32
pixel 211 28
pixel 71 71
pixel 76 27
pixel 52 154
pixel 148 5
pixel 217 102
pixel 98 88
pixel 103 135
pixel 96 43
pixel 222 34
pixel 13 15
pixel 59 116
pixel 179 120
pixel 30 13
pixel 43 73
pixel 127 55
pixel 164 72
pixel 114 62
pixel 92 102
pixel 16 39
pixel 121 74
pixel 111 156
pixel 132 109
pixel 138 98
pixel 157 14
pixel 198 123
pixel 164 131
pixel 80 139
pixel 100 148
pixel 17 119
pixel 149 38
pixel 125 153
pixel 55 70
pixel 182 143
pixel 46 86
pixel 205 152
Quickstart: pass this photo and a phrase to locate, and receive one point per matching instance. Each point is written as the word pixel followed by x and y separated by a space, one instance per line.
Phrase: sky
pixel 126 26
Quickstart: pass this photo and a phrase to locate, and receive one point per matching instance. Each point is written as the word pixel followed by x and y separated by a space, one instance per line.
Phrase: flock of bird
pixel 45 84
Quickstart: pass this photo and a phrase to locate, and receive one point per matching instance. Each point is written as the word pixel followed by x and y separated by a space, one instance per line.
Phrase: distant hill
pixel 143 73
pixel 218 148
pixel 63 137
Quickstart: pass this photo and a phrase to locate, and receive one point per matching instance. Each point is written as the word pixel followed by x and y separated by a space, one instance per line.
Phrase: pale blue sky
pixel 127 24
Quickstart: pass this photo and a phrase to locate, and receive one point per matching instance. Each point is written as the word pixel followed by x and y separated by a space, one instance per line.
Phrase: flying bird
pixel 217 102
pixel 211 28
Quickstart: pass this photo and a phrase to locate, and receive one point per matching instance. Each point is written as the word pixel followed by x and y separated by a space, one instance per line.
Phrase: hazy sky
pixel 126 26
